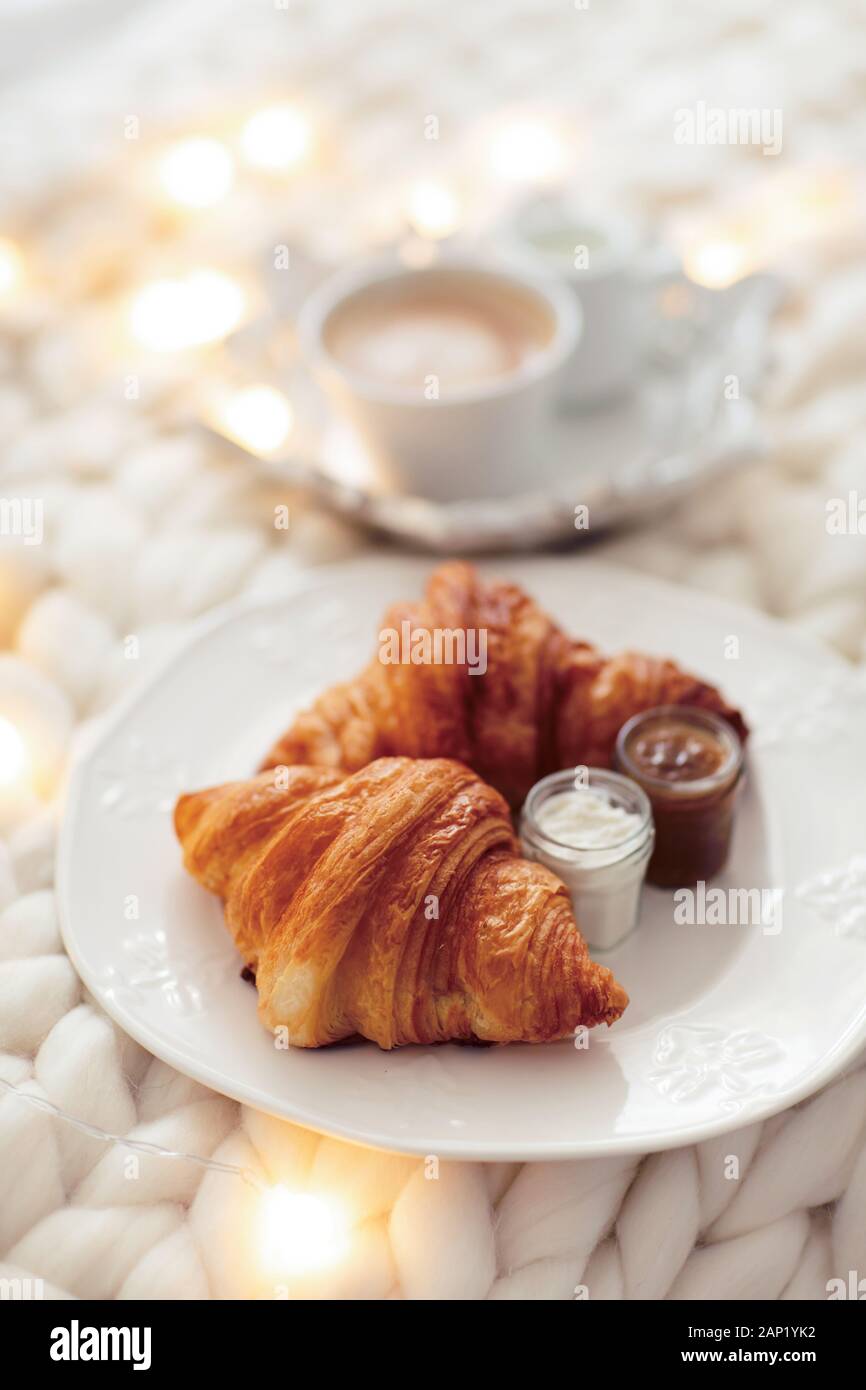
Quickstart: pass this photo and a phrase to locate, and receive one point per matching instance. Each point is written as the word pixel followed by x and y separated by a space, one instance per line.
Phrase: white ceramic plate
pixel 727 1023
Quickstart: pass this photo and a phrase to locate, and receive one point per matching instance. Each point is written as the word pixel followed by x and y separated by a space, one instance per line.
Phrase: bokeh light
pixel 11 267
pixel 433 209
pixel 715 264
pixel 173 314
pixel 528 148
pixel 278 138
pixel 196 173
pixel 258 417
pixel 300 1233
pixel 14 758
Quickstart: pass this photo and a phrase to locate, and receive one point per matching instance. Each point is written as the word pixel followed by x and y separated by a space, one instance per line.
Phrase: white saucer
pixel 727 1023
pixel 686 422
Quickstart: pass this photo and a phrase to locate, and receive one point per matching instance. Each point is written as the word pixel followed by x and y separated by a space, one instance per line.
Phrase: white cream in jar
pixel 596 834
pixel 586 819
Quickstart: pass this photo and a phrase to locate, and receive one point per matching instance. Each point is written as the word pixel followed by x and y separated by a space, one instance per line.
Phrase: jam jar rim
pixel 635 842
pixel 725 776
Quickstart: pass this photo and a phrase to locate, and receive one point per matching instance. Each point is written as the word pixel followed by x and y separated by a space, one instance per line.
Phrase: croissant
pixel 392 903
pixel 543 703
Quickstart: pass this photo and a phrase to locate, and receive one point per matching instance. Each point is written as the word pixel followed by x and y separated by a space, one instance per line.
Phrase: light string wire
pixel 142 1146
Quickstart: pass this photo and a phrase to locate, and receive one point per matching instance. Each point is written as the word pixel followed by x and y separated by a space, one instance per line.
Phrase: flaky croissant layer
pixel 543 703
pixel 392 903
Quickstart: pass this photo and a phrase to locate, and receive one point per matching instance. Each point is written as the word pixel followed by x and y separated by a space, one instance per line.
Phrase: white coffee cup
pixel 466 436
pixel 614 273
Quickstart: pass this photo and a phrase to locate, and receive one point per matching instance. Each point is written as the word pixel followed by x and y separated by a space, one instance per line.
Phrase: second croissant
pixel 545 701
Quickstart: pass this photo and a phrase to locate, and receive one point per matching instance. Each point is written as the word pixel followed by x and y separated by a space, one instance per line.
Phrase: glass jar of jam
pixel 689 762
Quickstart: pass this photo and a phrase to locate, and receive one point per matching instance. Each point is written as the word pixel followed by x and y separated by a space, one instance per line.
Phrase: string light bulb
pixel 277 138
pixel 527 148
pixel 196 173
pixel 432 209
pixel 11 267
pixel 258 417
pixel 174 314
pixel 300 1233
pixel 14 759
pixel 18 798
pixel 717 263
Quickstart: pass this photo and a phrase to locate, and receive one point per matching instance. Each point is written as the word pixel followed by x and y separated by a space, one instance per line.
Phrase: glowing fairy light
pixel 258 417
pixel 300 1233
pixel 11 267
pixel 277 138
pixel 14 758
pixel 527 149
pixel 18 798
pixel 432 209
pixel 173 314
pixel 717 263
pixel 196 173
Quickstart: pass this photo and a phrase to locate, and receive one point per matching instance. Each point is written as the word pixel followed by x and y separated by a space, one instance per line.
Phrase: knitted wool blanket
pixel 120 1178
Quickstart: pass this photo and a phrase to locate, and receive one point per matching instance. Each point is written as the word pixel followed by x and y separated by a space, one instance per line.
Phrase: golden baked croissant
pixel 392 903
pixel 545 702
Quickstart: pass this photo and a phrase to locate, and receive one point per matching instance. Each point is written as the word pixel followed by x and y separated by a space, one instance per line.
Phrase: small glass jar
pixel 604 879
pixel 689 762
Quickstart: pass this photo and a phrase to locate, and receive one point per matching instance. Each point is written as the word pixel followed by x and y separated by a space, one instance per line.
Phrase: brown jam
pixel 688 762
pixel 675 751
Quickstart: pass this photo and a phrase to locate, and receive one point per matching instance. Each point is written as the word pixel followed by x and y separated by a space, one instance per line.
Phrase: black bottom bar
pixel 78 1338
